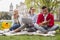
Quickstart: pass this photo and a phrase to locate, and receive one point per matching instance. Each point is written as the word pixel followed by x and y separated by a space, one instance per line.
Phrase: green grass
pixel 26 37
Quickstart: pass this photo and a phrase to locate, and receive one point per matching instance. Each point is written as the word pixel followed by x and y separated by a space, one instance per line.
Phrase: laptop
pixel 27 20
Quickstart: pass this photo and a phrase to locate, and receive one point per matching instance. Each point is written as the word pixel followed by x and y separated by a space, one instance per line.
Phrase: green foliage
pixel 51 4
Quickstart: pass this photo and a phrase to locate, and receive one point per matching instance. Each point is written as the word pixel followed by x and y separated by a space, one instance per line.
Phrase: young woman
pixel 31 16
pixel 15 23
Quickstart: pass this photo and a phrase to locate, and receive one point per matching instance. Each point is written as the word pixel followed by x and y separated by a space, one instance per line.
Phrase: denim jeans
pixel 44 29
pixel 15 26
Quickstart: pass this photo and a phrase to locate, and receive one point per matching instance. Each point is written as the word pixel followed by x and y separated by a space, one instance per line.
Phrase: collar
pixel 31 14
pixel 45 15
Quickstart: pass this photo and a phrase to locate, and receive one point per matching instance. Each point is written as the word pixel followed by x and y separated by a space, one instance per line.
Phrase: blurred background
pixel 8 6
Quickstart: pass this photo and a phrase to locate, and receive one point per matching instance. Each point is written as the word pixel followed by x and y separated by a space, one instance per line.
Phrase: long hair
pixel 30 10
pixel 15 14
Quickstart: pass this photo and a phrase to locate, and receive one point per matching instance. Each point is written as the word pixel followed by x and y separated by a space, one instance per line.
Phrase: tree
pixel 51 4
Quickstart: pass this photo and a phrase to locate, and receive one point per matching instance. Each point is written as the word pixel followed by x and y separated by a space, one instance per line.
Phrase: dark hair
pixel 30 9
pixel 44 7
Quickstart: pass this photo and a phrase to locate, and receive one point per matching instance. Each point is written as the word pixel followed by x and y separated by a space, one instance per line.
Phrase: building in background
pixel 7 15
pixel 11 9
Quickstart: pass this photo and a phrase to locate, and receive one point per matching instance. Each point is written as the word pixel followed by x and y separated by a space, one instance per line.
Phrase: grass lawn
pixel 26 37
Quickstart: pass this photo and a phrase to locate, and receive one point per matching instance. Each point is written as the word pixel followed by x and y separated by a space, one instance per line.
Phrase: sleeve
pixel 38 19
pixel 35 19
pixel 51 23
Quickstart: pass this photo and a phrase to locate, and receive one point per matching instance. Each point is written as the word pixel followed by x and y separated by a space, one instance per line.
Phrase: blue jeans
pixel 15 26
pixel 44 29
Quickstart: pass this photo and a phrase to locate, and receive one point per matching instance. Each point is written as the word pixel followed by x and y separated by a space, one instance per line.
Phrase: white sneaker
pixel 51 32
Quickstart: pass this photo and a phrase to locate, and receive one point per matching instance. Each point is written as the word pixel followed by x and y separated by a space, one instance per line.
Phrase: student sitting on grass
pixel 45 22
pixel 15 23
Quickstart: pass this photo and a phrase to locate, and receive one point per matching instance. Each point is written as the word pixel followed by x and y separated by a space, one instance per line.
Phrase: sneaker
pixel 51 32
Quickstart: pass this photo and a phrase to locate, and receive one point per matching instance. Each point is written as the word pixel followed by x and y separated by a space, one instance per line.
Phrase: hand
pixel 41 24
pixel 46 22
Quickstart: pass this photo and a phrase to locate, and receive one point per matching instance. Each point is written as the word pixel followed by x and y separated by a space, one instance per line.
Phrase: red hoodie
pixel 49 17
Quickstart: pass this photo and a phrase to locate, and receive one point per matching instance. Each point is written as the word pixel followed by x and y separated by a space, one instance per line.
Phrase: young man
pixel 45 21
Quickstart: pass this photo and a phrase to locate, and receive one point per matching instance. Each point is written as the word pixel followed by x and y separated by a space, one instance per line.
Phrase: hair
pixel 44 7
pixel 15 13
pixel 30 9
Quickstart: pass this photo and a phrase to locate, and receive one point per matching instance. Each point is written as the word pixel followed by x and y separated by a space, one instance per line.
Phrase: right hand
pixel 41 24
